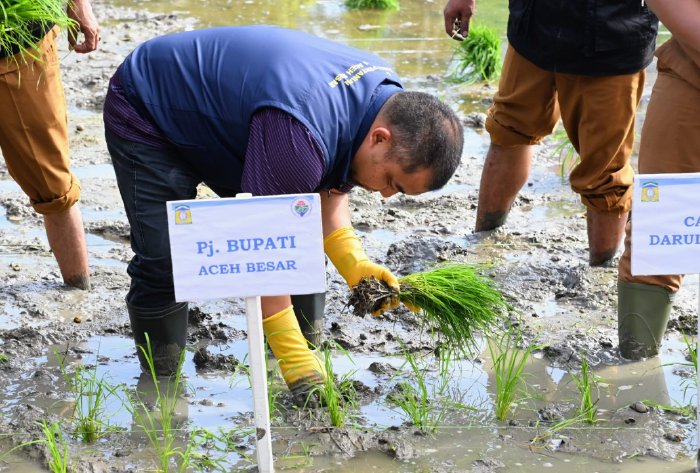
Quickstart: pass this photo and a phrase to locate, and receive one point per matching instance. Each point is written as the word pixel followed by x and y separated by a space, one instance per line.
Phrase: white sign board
pixel 666 224
pixel 245 247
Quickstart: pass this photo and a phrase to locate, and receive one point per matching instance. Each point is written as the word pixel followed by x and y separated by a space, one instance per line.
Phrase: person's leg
pixel 66 236
pixel 669 144
pixel 524 111
pixel 599 115
pixel 34 141
pixel 309 309
pixel 148 177
pixel 505 171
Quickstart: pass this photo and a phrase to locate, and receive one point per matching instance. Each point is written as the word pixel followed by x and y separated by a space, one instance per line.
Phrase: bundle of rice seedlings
pixel 372 4
pixel 21 20
pixel 453 298
pixel 478 56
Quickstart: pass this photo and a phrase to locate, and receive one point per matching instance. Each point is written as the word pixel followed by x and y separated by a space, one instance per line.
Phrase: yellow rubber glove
pixel 345 251
pixel 301 369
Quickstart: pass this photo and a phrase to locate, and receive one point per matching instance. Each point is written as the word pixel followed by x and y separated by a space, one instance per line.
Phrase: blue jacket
pixel 202 87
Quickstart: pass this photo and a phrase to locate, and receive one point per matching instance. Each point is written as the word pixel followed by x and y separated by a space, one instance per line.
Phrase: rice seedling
pixel 339 397
pixel 159 426
pixel 413 398
pixel 556 427
pixel 423 403
pixel 453 299
pixel 92 394
pixel 4 358
pixel 372 4
pixel 692 349
pixel 478 56
pixel 211 451
pixel 508 365
pixel 586 381
pixel 294 461
pixel 566 153
pixel 21 19
pixel 688 410
pixel 59 459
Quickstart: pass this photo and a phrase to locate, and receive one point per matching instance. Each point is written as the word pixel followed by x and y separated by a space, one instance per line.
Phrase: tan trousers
pixel 33 128
pixel 598 114
pixel 670 143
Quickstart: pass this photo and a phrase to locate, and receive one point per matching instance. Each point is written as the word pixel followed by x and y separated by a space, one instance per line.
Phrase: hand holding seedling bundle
pixel 453 298
pixel 345 251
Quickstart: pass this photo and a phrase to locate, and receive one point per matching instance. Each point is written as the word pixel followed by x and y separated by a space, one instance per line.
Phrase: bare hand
pixel 457 15
pixel 81 12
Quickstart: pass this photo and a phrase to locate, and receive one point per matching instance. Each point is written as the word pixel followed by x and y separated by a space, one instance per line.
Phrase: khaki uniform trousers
pixel 598 114
pixel 33 128
pixel 670 143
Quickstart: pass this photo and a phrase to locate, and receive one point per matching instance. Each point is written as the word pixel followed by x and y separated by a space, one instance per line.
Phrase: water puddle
pixel 466 436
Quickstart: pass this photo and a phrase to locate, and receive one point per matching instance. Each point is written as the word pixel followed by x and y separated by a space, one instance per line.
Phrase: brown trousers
pixel 34 128
pixel 670 143
pixel 598 114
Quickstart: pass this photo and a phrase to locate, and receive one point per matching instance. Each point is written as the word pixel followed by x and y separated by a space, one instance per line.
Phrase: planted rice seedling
pixel 339 397
pixel 59 459
pixel 508 364
pixel 565 152
pixel 478 56
pixel 453 299
pixel 414 400
pixel 586 381
pixel 91 396
pixel 20 20
pixel 157 422
pixel 372 4
pixel 426 405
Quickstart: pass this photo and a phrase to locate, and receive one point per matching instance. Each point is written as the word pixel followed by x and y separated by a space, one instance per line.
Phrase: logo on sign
pixel 301 207
pixel 183 216
pixel 650 192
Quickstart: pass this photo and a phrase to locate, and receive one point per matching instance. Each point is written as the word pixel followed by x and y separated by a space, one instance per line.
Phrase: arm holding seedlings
pixel 458 14
pixel 81 12
pixel 345 251
pixel 682 18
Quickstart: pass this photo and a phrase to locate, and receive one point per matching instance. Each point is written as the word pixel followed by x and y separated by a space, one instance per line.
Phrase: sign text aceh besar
pixel 282 242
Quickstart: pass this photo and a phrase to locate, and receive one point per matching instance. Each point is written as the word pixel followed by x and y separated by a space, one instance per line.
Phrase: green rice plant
pixel 337 395
pixel 478 56
pixel 425 404
pixel 92 394
pixel 21 19
pixel 59 459
pixel 452 298
pixel 294 461
pixel 586 381
pixel 4 358
pixel 692 348
pixel 566 153
pixel 688 410
pixel 556 427
pixel 58 455
pixel 414 400
pixel 159 426
pixel 508 365
pixel 209 451
pixel 372 4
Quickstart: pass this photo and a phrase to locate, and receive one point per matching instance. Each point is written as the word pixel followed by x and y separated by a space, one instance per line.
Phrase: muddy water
pixel 538 259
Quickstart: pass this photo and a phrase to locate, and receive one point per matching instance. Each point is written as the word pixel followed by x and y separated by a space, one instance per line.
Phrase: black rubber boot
pixel 642 314
pixel 309 310
pixel 167 332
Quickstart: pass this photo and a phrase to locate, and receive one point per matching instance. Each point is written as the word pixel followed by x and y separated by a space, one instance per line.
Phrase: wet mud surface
pixel 538 259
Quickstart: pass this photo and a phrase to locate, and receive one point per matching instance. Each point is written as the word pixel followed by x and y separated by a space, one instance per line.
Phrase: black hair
pixel 426 133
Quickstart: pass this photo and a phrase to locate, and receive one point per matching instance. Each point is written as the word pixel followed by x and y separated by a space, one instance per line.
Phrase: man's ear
pixel 380 134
